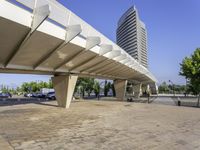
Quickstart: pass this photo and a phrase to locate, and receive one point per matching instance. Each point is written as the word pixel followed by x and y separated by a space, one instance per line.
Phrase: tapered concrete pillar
pixel 120 88
pixel 145 89
pixel 64 87
pixel 137 90
pixel 153 88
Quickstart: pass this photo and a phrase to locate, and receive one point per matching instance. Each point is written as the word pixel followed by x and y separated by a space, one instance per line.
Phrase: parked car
pixel 40 95
pixel 51 96
pixel 5 95
pixel 10 95
pixel 28 95
pixel 34 95
pixel 25 95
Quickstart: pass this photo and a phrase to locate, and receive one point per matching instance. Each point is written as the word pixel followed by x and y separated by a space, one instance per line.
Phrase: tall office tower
pixel 132 35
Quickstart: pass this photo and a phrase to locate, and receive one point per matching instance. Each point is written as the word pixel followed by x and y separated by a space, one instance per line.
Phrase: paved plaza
pixel 91 125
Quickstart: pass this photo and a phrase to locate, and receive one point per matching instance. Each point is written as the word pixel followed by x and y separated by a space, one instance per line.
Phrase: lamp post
pixel 172 87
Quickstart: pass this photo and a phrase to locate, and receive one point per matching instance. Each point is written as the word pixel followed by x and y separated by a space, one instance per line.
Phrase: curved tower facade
pixel 132 35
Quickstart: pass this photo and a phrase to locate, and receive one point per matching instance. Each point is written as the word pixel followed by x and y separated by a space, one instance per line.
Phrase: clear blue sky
pixel 173 31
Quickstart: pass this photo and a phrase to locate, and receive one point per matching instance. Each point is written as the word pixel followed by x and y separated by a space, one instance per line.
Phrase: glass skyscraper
pixel 132 35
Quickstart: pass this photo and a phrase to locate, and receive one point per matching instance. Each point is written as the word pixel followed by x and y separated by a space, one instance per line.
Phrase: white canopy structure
pixel 44 37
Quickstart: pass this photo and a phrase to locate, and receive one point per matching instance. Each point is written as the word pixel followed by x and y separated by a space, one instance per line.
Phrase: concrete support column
pixel 148 89
pixel 137 90
pixel 120 88
pixel 145 88
pixel 64 88
pixel 153 88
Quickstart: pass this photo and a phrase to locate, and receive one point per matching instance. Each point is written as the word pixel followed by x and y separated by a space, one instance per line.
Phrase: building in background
pixel 132 36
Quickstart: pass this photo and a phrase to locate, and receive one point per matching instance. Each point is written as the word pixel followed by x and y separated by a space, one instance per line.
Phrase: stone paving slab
pixel 4 144
pixel 94 125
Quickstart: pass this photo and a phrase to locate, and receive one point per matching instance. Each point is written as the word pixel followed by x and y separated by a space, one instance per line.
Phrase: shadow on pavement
pixel 22 101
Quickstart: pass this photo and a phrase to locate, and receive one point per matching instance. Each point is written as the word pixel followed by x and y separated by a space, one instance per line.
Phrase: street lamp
pixel 172 86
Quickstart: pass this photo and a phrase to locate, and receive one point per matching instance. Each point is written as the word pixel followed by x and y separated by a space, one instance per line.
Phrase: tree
pixel 113 89
pixel 163 88
pixel 86 85
pixel 89 85
pixel 4 89
pixel 107 87
pixel 19 90
pixel 25 87
pixel 96 88
pixel 50 84
pixel 190 69
pixel 35 86
pixel 82 84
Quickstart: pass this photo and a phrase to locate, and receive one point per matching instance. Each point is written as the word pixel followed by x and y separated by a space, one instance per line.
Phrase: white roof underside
pixel 37 54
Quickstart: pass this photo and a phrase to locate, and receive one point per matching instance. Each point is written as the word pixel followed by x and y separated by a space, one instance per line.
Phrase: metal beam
pixel 117 66
pixel 126 70
pixel 112 55
pixel 123 71
pixel 120 58
pixel 108 67
pixel 137 74
pixel 116 71
pixel 99 66
pixel 71 33
pixel 129 63
pixel 100 76
pixel 39 16
pixel 135 67
pixel 144 76
pixel 104 49
pixel 109 76
pixel 125 61
pixel 122 75
pixel 90 43
pixel 82 63
pixel 85 62
pixel 109 70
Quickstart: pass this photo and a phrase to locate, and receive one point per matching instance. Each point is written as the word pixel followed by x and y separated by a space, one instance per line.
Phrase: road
pixel 164 100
